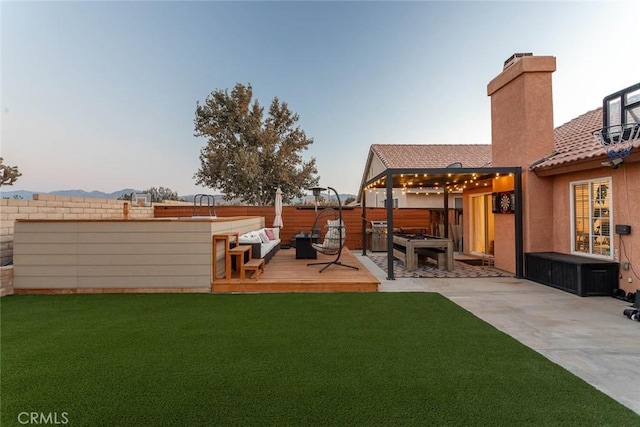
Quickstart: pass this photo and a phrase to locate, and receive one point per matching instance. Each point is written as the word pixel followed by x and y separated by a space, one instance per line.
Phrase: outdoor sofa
pixel 264 242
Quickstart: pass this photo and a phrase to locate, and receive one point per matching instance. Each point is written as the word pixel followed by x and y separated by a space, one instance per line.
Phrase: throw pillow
pixel 263 236
pixel 270 234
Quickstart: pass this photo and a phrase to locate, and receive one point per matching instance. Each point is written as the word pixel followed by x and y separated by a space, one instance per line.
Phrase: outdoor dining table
pixel 412 243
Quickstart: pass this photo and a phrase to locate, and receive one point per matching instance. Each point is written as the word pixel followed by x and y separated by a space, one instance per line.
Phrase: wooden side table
pixel 239 254
pixel 226 241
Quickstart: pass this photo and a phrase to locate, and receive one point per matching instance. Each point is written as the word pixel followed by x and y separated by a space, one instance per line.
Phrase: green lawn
pixel 286 359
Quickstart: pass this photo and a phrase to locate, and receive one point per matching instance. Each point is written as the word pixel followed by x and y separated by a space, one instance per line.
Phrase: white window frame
pixel 591 182
pixel 395 203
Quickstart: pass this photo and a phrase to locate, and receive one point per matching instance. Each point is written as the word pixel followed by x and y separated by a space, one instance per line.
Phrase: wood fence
pixel 298 219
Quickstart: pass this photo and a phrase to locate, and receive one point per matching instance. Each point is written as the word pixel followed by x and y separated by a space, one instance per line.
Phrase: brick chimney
pixel 521 133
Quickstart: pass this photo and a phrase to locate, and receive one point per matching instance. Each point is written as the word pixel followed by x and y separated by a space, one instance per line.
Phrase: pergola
pixel 451 178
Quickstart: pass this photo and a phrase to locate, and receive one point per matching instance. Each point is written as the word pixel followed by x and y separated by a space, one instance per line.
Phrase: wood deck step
pixel 256 265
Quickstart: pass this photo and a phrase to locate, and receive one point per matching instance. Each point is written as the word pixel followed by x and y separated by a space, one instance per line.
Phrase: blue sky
pixel 102 95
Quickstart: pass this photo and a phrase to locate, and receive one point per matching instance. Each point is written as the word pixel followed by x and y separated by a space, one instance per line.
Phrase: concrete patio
pixel 589 337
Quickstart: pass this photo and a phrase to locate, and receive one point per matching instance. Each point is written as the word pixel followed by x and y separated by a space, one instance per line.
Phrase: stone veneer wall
pixel 48 206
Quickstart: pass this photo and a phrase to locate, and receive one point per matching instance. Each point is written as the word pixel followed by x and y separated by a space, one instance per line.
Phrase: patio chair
pixel 334 230
pixel 334 237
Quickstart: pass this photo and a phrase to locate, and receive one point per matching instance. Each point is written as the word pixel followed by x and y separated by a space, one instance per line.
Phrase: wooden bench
pixel 256 265
pixel 439 255
pixel 400 252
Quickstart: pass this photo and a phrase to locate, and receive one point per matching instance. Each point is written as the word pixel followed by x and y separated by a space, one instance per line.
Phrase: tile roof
pixel 432 156
pixel 574 142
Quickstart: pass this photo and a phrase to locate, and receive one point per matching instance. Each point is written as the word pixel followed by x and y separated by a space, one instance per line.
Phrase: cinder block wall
pixel 47 206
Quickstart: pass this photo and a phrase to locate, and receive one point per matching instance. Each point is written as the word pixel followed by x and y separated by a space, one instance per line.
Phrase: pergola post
pixel 364 223
pixel 517 188
pixel 390 275
pixel 446 212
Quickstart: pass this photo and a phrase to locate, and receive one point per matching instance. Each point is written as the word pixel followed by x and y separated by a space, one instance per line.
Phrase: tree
pixel 8 174
pixel 157 194
pixel 161 193
pixel 248 156
pixel 349 199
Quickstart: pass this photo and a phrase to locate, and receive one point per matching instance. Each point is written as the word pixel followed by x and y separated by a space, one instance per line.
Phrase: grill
pixel 378 236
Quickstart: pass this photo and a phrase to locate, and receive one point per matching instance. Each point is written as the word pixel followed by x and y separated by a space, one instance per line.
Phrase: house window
pixel 591 217
pixel 395 203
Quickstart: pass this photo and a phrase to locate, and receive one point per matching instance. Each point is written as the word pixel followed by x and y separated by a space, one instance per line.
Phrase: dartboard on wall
pixel 503 202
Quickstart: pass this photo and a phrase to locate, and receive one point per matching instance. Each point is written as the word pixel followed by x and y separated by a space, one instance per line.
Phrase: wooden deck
pixel 285 273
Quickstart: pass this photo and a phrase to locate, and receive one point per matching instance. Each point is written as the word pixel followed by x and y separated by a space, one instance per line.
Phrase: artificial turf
pixel 284 359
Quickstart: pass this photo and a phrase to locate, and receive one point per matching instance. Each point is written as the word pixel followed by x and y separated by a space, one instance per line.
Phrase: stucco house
pixel 544 190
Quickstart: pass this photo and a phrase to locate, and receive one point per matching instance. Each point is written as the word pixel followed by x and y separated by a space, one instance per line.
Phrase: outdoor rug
pixel 461 270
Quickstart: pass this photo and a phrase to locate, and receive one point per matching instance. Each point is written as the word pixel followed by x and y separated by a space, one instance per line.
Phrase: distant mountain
pixel 94 194
pixel 20 194
pixel 28 195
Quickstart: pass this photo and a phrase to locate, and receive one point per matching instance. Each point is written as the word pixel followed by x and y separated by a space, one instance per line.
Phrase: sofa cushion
pixel 265 248
pixel 335 236
pixel 251 237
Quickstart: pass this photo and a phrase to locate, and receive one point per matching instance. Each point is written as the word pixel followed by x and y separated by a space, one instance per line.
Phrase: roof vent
pixel 514 58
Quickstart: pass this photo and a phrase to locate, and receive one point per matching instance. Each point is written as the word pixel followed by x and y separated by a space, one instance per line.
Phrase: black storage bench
pixel 579 275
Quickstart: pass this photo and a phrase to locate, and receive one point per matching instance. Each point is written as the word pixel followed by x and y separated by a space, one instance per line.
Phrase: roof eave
pixel 366 171
pixel 581 165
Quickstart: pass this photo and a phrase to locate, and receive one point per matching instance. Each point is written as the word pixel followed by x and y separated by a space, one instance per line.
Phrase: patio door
pixel 482 225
